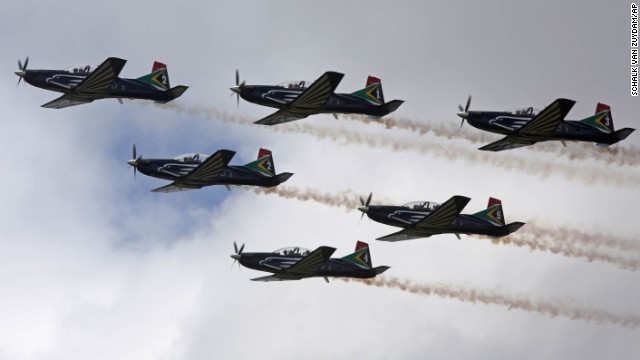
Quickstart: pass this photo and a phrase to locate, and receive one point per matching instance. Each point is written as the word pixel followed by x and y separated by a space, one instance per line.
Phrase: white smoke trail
pixel 562 241
pixel 542 169
pixel 616 155
pixel 551 307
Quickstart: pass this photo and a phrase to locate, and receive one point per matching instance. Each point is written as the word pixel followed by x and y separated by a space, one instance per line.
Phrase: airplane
pixel 295 263
pixel 527 126
pixel 298 99
pixel 420 219
pixel 84 84
pixel 194 171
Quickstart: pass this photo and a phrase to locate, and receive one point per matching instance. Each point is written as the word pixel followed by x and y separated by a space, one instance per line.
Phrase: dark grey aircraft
pixel 194 171
pixel 424 218
pixel 295 263
pixel 299 99
pixel 527 126
pixel 84 84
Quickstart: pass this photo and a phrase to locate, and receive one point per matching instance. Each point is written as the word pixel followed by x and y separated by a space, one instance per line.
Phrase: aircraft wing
pixel 541 126
pixel 507 143
pixel 441 217
pixel 311 263
pixel 277 277
pixel 92 87
pixel 309 102
pixel 401 235
pixel 202 175
pixel 100 80
pixel 67 100
pixel 174 187
pixel 548 119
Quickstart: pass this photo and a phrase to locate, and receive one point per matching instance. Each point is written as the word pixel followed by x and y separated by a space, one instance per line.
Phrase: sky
pixel 93 264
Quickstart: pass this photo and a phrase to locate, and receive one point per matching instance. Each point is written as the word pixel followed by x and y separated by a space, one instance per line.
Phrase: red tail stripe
pixel 602 107
pixel 158 65
pixel 493 201
pixel 361 244
pixel 373 80
pixel 263 152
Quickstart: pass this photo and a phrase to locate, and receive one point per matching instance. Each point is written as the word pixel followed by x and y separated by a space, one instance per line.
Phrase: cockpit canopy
pixel 295 84
pixel 524 111
pixel 293 251
pixel 422 205
pixel 80 69
pixel 191 158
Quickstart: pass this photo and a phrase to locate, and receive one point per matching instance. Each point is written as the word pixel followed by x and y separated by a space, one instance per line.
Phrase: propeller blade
pixel 19 79
pixel 241 248
pixel 26 62
pixel 368 200
pixel 466 108
pixel 461 123
pixel 20 65
pixel 235 247
pixel 134 152
pixel 237 100
pixel 460 108
pixel 237 77
pixel 361 216
pixel 361 201
pixel 135 171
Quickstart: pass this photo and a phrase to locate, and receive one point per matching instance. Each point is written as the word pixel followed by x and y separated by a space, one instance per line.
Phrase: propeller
pixel 365 205
pixel 238 88
pixel 464 112
pixel 238 253
pixel 135 161
pixel 23 69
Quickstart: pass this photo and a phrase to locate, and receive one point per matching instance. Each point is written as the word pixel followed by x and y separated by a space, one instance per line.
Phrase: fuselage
pixel 279 97
pixel 64 82
pixel 174 169
pixel 401 216
pixel 279 264
pixel 507 123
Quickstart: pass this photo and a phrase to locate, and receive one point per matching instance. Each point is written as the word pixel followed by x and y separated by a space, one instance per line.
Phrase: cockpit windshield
pixel 295 84
pixel 191 158
pixel 422 205
pixel 80 69
pixel 293 251
pixel 524 111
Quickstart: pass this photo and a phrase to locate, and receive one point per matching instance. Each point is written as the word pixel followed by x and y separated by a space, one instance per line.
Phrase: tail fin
pixel 361 257
pixel 372 91
pixel 602 120
pixel 264 164
pixel 159 77
pixel 493 213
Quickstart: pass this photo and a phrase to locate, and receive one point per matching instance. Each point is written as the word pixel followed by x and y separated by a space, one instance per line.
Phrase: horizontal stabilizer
pixel 277 277
pixel 380 269
pixel 392 105
pixel 513 227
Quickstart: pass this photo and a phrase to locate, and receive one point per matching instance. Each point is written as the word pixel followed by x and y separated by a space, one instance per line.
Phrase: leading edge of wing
pixel 276 277
pixel 441 217
pixel 102 77
pixel 401 236
pixel 311 263
pixel 507 143
pixel 66 100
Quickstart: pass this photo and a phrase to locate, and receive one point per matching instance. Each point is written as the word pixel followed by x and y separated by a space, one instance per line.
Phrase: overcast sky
pixel 94 265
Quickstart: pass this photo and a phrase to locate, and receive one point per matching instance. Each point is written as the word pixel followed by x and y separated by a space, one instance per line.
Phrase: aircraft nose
pixel 235 257
pixel 20 73
pixel 364 209
pixel 463 115
pixel 235 89
pixel 133 162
